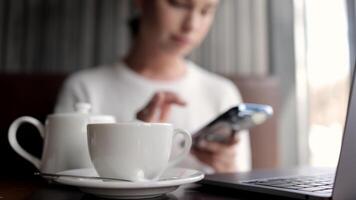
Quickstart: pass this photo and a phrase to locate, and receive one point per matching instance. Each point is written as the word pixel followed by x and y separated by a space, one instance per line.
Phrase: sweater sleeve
pixel 231 96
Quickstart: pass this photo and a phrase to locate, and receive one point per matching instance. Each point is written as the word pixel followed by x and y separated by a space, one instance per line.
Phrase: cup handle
pixel 16 146
pixel 186 148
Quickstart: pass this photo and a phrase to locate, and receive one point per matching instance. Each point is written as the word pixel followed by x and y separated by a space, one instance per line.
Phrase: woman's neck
pixel 153 64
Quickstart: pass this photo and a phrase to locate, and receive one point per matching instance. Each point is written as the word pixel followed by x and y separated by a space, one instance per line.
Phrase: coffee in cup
pixel 134 151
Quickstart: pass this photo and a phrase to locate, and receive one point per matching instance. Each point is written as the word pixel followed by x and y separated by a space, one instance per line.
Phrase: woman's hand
pixel 220 156
pixel 159 107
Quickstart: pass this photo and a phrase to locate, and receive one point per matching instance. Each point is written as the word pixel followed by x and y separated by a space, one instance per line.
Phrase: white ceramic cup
pixel 134 151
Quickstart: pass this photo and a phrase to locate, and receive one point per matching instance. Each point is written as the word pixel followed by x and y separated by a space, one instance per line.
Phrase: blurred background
pixel 307 45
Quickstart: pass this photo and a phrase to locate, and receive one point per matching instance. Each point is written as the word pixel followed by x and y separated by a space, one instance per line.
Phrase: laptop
pixel 305 183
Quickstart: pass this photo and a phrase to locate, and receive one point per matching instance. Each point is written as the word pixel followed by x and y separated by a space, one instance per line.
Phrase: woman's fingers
pixel 172 98
pixel 158 109
pixel 147 114
pixel 221 162
pixel 203 156
pixel 220 156
pixel 169 98
pixel 216 147
pixel 165 112
pixel 153 106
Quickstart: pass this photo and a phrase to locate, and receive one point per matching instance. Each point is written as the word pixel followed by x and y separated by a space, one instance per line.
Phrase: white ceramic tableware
pixel 65 139
pixel 170 180
pixel 134 151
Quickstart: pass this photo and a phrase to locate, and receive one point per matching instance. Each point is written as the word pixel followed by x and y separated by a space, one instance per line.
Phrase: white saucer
pixel 170 181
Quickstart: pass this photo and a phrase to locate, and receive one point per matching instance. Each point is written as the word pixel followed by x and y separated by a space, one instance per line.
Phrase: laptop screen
pixel 345 179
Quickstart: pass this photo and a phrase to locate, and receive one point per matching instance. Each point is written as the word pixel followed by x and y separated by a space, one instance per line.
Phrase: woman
pixel 155 83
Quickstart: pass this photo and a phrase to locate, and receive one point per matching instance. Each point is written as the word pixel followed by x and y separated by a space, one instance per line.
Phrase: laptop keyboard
pixel 320 183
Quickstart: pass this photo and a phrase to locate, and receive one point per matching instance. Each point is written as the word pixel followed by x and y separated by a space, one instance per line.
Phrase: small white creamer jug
pixel 65 139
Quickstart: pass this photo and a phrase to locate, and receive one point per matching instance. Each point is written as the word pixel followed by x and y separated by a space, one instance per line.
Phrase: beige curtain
pixel 238 41
pixel 41 36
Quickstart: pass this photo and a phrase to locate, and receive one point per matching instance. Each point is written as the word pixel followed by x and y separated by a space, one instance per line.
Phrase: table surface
pixel 39 189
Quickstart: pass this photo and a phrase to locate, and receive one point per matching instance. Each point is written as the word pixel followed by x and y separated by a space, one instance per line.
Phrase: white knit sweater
pixel 121 92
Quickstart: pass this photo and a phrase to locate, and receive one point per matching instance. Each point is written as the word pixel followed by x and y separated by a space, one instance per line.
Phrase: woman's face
pixel 175 27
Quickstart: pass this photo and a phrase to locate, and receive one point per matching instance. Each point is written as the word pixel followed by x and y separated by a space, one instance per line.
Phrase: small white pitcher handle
pixel 186 148
pixel 16 146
